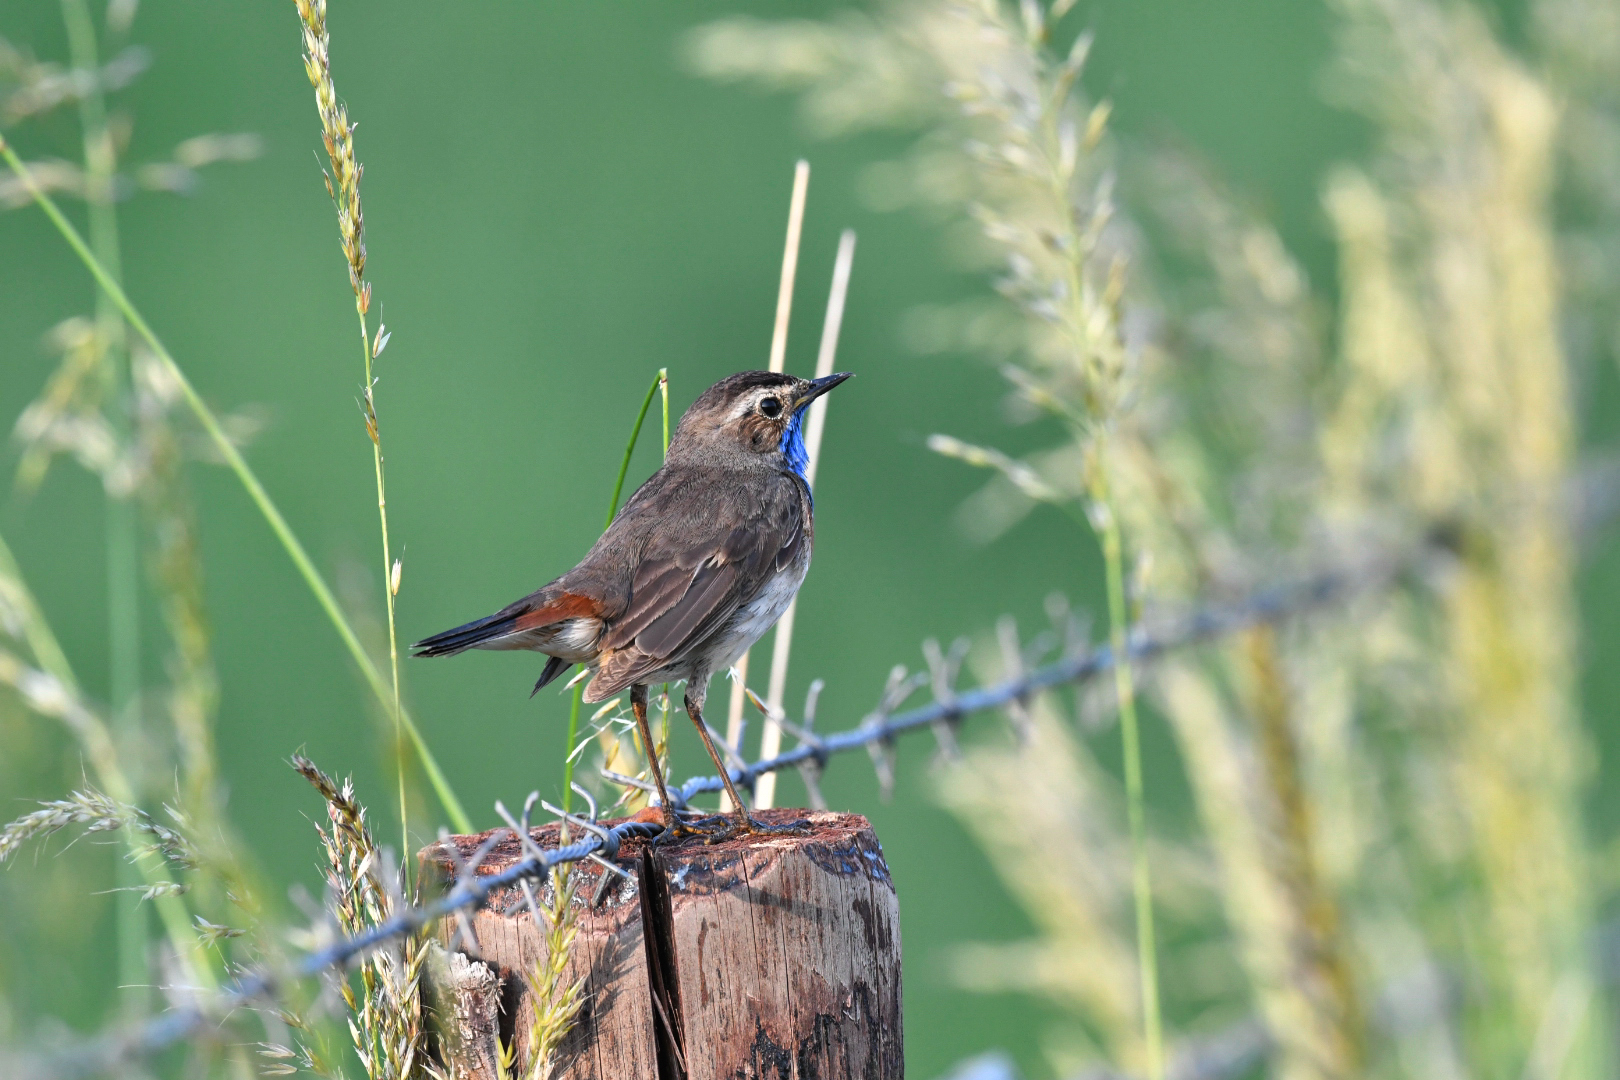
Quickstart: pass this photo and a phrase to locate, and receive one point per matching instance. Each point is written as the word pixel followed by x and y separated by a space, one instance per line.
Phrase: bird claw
pixel 677 828
pixel 745 825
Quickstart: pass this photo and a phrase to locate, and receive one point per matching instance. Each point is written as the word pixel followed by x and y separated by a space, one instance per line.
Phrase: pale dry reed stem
pixel 790 266
pixel 778 361
pixel 770 740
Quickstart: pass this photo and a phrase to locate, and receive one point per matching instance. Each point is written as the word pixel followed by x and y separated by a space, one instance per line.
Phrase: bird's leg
pixel 694 709
pixel 744 823
pixel 638 705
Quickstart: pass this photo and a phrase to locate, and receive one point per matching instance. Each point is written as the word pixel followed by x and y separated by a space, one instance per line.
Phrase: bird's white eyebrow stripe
pixel 747 403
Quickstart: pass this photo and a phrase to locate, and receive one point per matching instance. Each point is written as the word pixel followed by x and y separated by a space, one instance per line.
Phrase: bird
pixel 701 561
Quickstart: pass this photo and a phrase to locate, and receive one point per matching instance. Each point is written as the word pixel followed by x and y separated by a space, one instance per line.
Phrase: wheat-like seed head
pixel 555 1004
pixel 343 183
pixel 385 1016
pixel 97 813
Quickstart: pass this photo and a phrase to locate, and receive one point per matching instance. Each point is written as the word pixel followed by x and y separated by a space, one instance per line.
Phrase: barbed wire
pixel 1079 663
pixel 876 733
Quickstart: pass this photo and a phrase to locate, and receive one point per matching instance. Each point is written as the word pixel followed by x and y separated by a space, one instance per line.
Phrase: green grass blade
pixel 659 380
pixel 1147 954
pixel 630 447
pixel 663 388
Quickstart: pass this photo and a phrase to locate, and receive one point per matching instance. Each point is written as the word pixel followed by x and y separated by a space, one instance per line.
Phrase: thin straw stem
pixel 1125 689
pixel 250 482
pixel 343 184
pixel 122 533
pixel 660 383
pixel 770 740
pixel 790 265
pixel 389 580
pixel 663 390
pixel 828 352
pixel 778 361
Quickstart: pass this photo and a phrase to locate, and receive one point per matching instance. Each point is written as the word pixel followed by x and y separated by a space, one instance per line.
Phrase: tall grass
pixel 227 449
pixel 1039 191
pixel 189 866
pixel 123 571
pixel 1388 798
pixel 343 185
pixel 109 408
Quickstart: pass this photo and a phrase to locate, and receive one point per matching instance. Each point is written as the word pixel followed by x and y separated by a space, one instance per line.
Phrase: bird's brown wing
pixel 684 592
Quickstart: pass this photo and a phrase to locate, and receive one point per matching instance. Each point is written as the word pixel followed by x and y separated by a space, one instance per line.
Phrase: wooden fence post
pixel 761 957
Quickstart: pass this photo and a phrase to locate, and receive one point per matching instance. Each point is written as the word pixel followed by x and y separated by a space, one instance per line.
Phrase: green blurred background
pixel 556 209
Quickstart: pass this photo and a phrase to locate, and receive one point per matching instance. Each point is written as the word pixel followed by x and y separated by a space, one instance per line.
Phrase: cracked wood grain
pixel 777 956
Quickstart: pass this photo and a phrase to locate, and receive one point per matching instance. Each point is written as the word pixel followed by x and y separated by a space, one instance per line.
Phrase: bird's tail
pixel 469 635
pixel 534 612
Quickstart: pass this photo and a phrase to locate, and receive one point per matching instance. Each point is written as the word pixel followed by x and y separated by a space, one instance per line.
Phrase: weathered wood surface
pixel 613 1036
pixel 773 957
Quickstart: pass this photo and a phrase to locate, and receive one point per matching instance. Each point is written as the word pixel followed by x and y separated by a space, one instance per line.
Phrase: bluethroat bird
pixel 702 560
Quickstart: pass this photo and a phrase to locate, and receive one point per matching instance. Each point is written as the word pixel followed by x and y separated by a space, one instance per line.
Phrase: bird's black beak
pixel 818 387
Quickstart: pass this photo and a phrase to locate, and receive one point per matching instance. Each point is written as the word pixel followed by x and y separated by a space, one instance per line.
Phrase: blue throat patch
pixel 798 458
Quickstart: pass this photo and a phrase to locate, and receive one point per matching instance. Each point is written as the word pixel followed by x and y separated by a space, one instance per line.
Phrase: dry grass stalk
pixel 554 1004
pixel 385 1016
pixel 50 690
pixel 1354 834
pixel 1451 266
pixel 770 740
pixel 1066 875
pixel 98 408
pixel 343 185
pixel 778 358
pixel 120 427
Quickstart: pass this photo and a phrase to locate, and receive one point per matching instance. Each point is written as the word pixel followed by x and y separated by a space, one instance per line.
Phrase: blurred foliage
pixel 1392 799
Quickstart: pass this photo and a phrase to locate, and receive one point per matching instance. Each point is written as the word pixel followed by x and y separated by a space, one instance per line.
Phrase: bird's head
pixel 757 413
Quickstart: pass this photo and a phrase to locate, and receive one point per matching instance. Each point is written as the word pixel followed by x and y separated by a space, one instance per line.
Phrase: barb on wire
pixel 943 669
pixel 809 770
pixel 1012 661
pixel 876 733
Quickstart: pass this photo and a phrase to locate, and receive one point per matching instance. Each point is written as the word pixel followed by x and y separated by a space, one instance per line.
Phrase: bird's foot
pixel 744 824
pixel 718 828
pixel 678 828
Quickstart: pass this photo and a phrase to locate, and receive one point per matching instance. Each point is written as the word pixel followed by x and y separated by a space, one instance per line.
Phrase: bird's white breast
pixel 759 614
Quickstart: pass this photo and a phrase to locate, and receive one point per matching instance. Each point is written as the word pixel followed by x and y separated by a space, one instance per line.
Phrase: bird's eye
pixel 771 407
